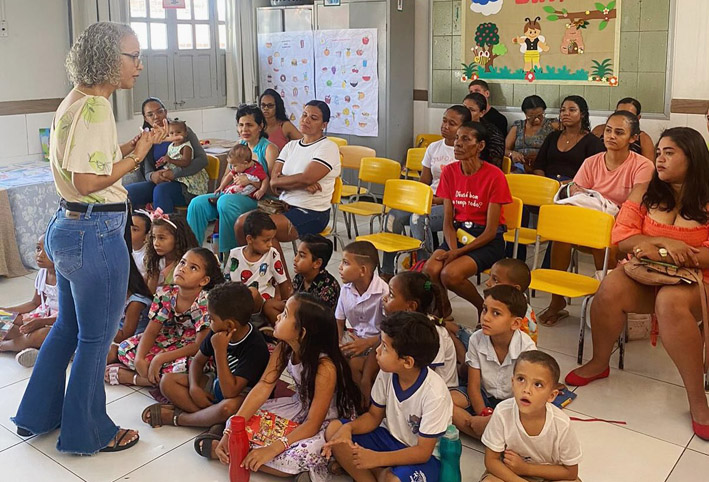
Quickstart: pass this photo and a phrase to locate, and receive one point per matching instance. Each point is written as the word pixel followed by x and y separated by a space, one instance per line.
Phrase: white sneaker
pixel 27 357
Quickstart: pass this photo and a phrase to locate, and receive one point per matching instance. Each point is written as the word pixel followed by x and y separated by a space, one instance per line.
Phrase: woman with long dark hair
pixel 279 128
pixel 495 145
pixel 664 220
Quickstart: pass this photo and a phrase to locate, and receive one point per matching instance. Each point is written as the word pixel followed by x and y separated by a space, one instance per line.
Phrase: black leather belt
pixel 97 208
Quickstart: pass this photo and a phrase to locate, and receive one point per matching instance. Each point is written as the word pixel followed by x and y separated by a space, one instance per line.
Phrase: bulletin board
pixel 562 42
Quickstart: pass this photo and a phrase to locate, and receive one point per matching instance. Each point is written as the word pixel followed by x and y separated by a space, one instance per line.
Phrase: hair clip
pixel 159 214
pixel 427 285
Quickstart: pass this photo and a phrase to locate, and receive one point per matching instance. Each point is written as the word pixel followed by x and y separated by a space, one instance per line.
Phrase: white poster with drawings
pixel 346 79
pixel 286 65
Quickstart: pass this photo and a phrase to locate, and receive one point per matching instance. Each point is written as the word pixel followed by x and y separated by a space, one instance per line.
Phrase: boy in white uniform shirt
pixel 528 437
pixel 411 408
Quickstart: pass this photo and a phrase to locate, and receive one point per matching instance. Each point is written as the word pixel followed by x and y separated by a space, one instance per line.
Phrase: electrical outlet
pixel 3 28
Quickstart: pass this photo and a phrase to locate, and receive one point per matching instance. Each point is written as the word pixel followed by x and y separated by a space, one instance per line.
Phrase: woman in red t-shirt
pixel 473 193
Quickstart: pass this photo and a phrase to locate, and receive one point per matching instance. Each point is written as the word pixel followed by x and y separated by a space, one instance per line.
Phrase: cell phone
pixel 661 263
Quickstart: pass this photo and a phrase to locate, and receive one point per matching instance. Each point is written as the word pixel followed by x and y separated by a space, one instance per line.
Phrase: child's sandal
pixel 112 373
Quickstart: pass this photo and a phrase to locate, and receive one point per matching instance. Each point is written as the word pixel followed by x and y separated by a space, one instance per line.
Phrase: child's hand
pixel 221 339
pixel 141 367
pixel 342 436
pixel 161 162
pixel 514 462
pixel 259 194
pixel 200 397
pixel 222 450
pixel 356 347
pixel 154 370
pixel 364 458
pixel 32 325
pixel 257 457
pixel 242 180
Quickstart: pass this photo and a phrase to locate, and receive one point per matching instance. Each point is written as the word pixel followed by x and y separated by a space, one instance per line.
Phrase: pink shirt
pixel 614 185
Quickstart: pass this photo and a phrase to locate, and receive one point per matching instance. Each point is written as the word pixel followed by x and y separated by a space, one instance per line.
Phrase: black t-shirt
pixel 494 117
pixel 564 165
pixel 246 358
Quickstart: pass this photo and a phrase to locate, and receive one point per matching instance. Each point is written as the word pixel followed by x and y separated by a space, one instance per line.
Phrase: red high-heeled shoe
pixel 578 381
pixel 702 431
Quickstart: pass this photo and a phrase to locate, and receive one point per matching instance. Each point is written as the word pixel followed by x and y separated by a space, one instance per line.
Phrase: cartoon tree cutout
pixel 601 70
pixel 487 40
pixel 604 13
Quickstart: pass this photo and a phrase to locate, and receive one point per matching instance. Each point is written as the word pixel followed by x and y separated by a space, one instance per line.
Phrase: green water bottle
pixel 450 451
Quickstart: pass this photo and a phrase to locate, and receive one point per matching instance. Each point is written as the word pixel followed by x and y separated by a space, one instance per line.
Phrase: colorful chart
pixel 346 79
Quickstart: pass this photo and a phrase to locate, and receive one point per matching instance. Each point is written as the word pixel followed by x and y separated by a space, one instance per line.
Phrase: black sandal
pixel 117 447
pixel 155 412
pixel 205 449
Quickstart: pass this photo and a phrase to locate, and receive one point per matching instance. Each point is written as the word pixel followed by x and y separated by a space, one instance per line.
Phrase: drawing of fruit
pixel 360 52
pixel 302 44
pixel 354 84
pixel 347 122
pixel 283 77
pixel 364 63
pixel 328 99
pixel 295 91
pixel 363 124
pixel 337 100
pixel 324 69
pixel 329 83
pixel 276 69
pixel 356 106
pixel 292 117
pixel 365 40
pixel 269 45
pixel 333 69
pixel 338 115
pixel 305 61
pixel 307 90
pixel 360 95
pixel 295 78
pixel 294 62
pixel 365 114
pixel 346 111
pixel 326 52
pixel 270 60
pixel 277 54
pixel 355 70
pixel 347 98
pixel 344 84
pixel 283 93
pixel 366 78
pixel 348 53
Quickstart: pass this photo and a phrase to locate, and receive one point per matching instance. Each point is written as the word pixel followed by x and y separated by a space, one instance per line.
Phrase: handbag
pixel 272 206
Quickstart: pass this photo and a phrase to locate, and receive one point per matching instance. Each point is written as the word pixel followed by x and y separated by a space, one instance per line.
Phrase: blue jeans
pixel 399 219
pixel 165 195
pixel 228 209
pixel 91 260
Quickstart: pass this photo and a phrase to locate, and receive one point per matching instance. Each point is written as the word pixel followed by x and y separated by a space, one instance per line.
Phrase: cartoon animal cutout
pixel 531 44
pixel 572 42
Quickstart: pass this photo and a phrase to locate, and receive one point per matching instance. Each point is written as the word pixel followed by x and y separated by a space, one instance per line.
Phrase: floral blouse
pixel 163 311
pixel 324 287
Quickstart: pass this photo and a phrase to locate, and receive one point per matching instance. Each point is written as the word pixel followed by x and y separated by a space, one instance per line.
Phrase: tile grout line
pixel 676 463
pixel 58 463
pixel 156 458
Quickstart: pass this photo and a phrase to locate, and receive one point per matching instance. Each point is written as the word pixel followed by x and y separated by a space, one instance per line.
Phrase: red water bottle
pixel 238 448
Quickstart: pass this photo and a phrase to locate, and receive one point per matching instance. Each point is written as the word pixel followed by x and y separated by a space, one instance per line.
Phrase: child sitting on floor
pixel 311 275
pixel 35 317
pixel 528 438
pixel 179 154
pixel 414 291
pixel 170 238
pixel 139 230
pixel 258 264
pixel 179 323
pixel 308 349
pixel 410 410
pixel 492 352
pixel 360 305
pixel 240 355
pixel 246 176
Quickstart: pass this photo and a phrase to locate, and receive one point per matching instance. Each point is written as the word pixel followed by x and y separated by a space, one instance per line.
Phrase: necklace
pixel 80 92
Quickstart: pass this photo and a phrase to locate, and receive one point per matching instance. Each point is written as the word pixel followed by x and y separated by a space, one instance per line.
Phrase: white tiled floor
pixel 657 444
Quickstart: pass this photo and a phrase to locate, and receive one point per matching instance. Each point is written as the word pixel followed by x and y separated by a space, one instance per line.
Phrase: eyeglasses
pixel 153 115
pixel 267 106
pixel 534 117
pixel 137 58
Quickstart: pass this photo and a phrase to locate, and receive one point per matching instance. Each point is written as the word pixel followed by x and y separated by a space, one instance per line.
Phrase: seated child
pixel 311 275
pixel 410 410
pixel 258 264
pixel 139 230
pixel 528 438
pixel 35 317
pixel 239 353
pixel 508 271
pixel 135 314
pixel 245 176
pixel 169 239
pixel 307 348
pixel 492 352
pixel 179 323
pixel 360 305
pixel 179 154
pixel 414 291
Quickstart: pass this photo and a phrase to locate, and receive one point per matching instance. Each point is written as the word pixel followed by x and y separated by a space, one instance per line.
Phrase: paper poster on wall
pixel 346 79
pixel 286 65
pixel 572 42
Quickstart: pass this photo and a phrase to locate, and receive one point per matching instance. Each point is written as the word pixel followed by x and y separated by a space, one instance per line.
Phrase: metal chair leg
pixel 621 347
pixel 582 328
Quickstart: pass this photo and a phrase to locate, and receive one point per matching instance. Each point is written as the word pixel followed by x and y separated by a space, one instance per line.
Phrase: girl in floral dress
pixel 179 322
pixel 170 237
pixel 309 350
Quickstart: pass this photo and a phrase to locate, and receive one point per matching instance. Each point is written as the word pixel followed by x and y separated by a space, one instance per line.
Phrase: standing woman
pixel 161 187
pixel 85 240
pixel 527 135
pixel 280 130
pixel 251 126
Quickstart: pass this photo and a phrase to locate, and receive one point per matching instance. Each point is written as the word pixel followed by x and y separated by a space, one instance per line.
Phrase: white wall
pixel 690 69
pixel 32 55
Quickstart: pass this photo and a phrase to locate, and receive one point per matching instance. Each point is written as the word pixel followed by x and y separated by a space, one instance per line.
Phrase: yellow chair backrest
pixel 532 190
pixel 212 168
pixel 414 157
pixel 575 225
pixel 337 192
pixel 423 140
pixel 338 140
pixel 352 155
pixel 379 169
pixel 506 165
pixel 513 214
pixel 406 195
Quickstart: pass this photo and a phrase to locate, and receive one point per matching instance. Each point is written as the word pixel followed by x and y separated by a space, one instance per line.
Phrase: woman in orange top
pixel 663 220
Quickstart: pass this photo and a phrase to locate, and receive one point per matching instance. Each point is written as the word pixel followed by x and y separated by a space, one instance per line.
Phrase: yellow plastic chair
pixel 376 170
pixel 351 159
pixel 533 191
pixel 409 196
pixel 212 171
pixel 506 165
pixel 338 140
pixel 578 226
pixel 414 166
pixel 331 231
pixel 423 140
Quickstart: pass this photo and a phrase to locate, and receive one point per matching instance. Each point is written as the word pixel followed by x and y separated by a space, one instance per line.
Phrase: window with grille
pixel 184 59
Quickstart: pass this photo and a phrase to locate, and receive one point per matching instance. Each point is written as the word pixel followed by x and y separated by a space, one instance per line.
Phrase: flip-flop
pixel 553 319
pixel 205 449
pixel 117 447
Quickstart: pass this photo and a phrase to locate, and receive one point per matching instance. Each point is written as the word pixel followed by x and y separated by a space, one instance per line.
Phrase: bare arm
pixel 230 384
pixel 313 173
pixel 416 454
pixel 285 289
pixel 647 147
pixel 427 178
pixel 291 131
pixel 186 351
pixel 226 180
pixel 260 393
pixel 476 399
pixel 495 465
pixel 25 307
pixel 368 421
pixel 185 157
pixel 130 321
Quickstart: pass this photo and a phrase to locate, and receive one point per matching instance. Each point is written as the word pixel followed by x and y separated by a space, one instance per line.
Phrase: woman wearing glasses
pixel 280 130
pixel 527 135
pixel 160 187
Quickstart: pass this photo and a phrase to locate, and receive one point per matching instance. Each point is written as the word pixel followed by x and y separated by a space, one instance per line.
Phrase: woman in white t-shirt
pixel 438 154
pixel 304 178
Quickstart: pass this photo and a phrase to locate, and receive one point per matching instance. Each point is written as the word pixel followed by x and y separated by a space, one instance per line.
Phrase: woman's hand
pixel 257 457
pixel 313 188
pixel 222 450
pixel 447 256
pixel 167 175
pixel 517 157
pixel 680 252
pixel 575 189
pixel 646 249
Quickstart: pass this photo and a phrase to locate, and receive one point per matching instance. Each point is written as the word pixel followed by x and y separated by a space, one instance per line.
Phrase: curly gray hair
pixel 95 57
